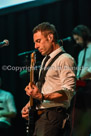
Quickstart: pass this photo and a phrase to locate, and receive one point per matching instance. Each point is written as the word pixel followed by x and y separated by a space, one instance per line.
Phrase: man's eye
pixel 38 41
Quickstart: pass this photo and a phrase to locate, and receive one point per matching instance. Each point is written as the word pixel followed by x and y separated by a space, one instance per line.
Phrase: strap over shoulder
pixel 42 77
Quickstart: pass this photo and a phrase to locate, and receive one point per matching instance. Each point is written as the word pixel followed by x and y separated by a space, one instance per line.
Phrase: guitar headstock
pixel 33 58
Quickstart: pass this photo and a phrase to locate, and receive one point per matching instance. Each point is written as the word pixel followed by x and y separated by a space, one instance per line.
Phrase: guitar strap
pixel 82 62
pixel 81 83
pixel 42 77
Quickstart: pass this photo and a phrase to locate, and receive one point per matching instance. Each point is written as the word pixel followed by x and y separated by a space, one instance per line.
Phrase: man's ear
pixel 50 37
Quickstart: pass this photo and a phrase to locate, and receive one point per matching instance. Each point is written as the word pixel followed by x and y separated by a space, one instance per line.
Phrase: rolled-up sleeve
pixel 68 76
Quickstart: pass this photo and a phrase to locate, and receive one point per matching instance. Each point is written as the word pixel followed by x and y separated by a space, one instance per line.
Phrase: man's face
pixel 78 39
pixel 42 43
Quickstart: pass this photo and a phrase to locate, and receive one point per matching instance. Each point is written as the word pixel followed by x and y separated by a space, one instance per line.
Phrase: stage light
pixel 9 3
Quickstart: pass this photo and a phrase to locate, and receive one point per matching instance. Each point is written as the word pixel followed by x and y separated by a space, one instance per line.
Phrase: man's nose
pixel 77 41
pixel 36 45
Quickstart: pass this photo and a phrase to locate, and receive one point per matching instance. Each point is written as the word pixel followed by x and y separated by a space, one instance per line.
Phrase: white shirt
pixel 6 105
pixel 87 62
pixel 61 76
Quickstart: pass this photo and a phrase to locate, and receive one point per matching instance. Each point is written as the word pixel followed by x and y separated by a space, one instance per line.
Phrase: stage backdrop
pixel 17 25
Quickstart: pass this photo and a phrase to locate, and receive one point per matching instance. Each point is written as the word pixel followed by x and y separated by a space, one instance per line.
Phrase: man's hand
pixel 33 90
pixel 25 112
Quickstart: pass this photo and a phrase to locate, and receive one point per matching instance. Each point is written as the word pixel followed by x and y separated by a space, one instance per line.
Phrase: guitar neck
pixel 32 110
pixel 32 75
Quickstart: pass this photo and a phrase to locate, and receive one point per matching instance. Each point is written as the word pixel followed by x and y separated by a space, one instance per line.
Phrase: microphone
pixel 65 39
pixel 4 43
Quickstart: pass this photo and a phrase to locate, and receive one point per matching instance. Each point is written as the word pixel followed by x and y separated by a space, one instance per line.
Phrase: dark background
pixel 16 26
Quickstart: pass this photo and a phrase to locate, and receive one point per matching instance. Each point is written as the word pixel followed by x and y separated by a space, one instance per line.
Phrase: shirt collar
pixel 89 44
pixel 54 53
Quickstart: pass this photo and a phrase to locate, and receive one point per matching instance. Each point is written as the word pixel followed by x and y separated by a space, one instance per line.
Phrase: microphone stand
pixel 27 52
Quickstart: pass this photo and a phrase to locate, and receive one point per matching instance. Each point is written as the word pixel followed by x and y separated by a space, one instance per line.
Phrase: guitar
pixel 80 83
pixel 32 109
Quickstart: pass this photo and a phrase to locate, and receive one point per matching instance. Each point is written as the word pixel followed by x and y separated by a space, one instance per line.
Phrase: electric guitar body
pixel 32 120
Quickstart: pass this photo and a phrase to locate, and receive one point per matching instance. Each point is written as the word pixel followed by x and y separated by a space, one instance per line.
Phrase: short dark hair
pixel 46 28
pixel 83 31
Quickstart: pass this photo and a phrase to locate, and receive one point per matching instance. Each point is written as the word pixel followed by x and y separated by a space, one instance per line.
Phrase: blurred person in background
pixel 82 36
pixel 7 111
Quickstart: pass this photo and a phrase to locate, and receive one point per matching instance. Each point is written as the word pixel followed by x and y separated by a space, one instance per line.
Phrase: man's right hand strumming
pixel 25 111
